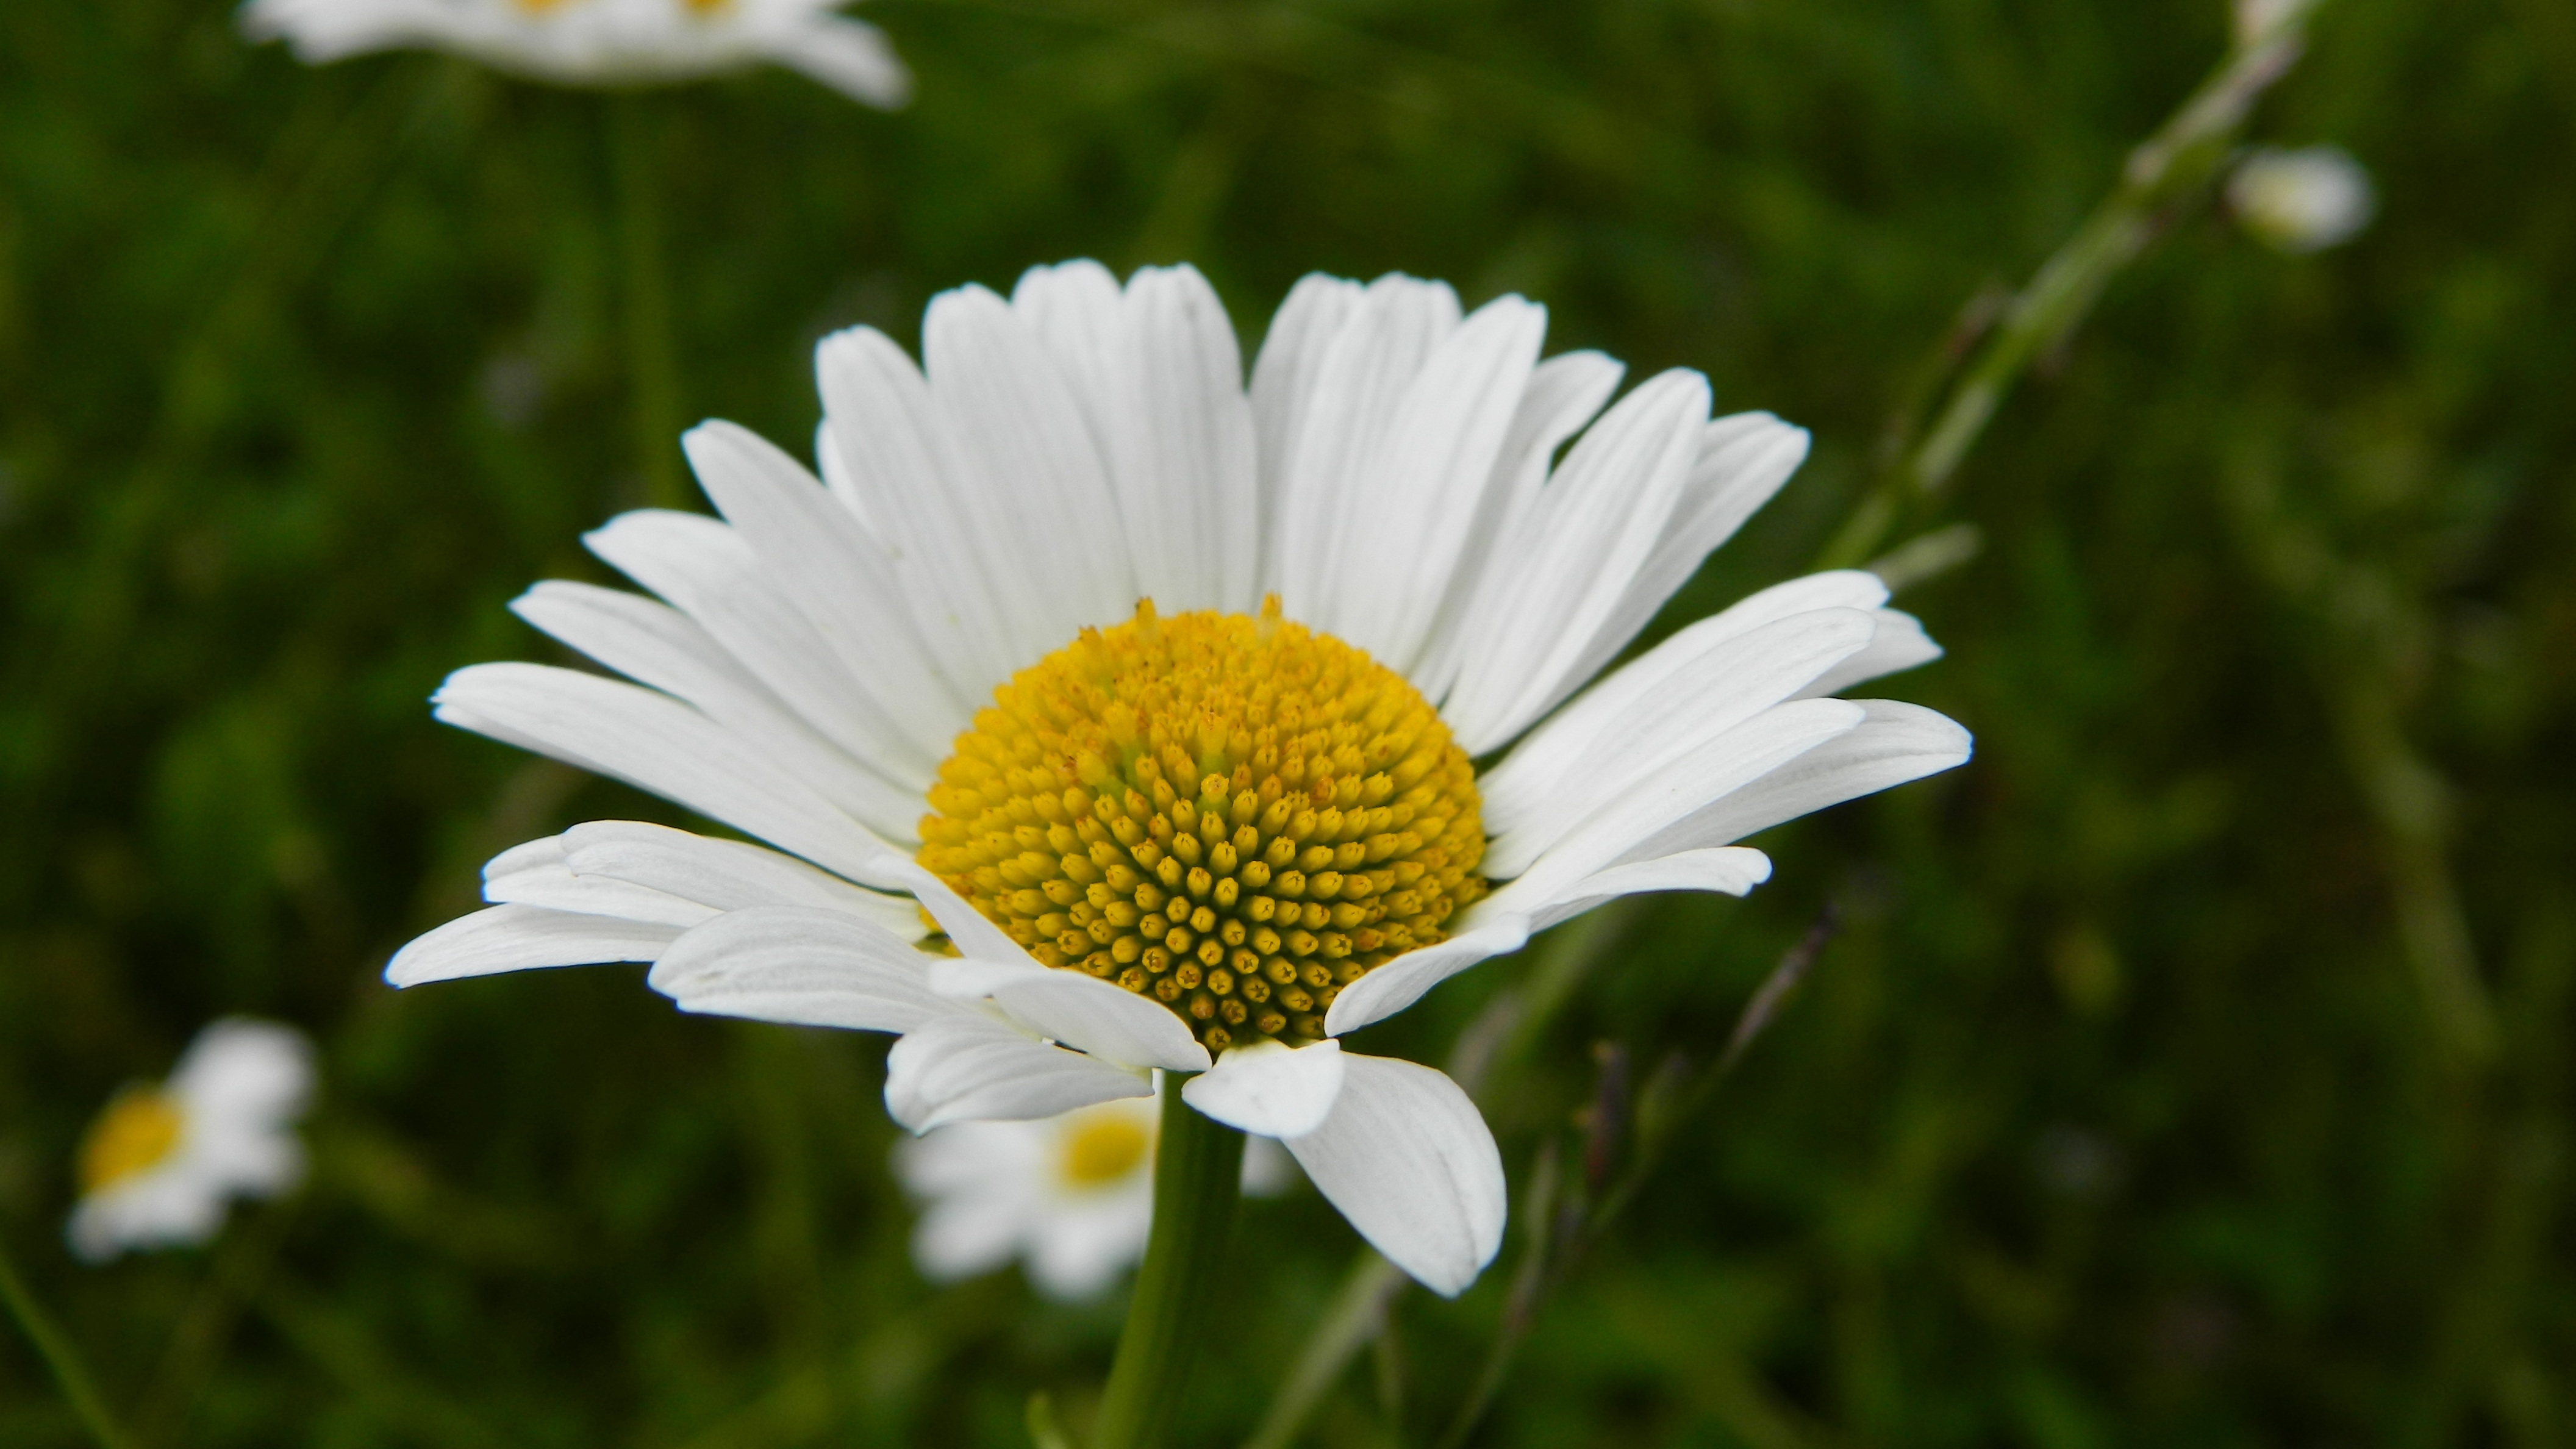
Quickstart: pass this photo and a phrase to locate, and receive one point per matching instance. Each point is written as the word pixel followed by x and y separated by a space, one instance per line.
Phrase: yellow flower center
pixel 1102 1146
pixel 136 1133
pixel 1233 813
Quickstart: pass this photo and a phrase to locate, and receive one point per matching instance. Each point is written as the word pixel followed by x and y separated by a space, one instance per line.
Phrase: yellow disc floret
pixel 136 1133
pixel 1231 813
pixel 1102 1146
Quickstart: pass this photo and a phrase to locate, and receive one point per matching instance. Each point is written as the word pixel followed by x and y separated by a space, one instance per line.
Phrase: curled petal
pixel 1269 1089
pixel 969 1067
pixel 803 966
pixel 524 938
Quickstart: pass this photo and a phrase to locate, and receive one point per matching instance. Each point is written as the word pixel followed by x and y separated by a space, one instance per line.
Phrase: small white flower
pixel 2304 200
pixel 1073 1196
pixel 1215 831
pixel 600 42
pixel 161 1161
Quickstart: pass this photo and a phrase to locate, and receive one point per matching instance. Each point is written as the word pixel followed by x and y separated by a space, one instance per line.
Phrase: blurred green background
pixel 2126 1109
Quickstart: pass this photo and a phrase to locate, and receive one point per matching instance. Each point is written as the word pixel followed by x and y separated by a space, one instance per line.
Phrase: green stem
pixel 2181 159
pixel 1198 1175
pixel 60 1356
pixel 651 355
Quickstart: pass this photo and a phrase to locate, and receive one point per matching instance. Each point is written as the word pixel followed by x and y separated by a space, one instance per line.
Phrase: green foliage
pixel 2191 1068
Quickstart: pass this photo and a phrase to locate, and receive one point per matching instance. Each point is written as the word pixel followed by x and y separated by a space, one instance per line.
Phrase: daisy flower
pixel 161 1162
pixel 1205 721
pixel 600 42
pixel 1072 1196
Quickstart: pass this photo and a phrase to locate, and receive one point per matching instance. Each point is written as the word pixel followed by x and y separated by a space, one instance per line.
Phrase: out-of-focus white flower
pixel 1071 1196
pixel 2304 200
pixel 161 1162
pixel 600 42
pixel 1161 691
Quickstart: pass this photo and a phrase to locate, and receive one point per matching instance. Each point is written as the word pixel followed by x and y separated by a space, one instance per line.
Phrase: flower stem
pixel 1198 1175
pixel 2175 164
pixel 61 1357
pixel 652 358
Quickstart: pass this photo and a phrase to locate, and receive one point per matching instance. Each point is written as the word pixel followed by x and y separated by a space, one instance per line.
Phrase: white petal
pixel 971 1232
pixel 1268 1170
pixel 1563 394
pixel 1035 490
pixel 256 1074
pixel 724 875
pixel 1079 1249
pixel 1082 1011
pixel 658 744
pixel 706 569
pixel 803 966
pixel 1073 307
pixel 968 1067
pixel 523 876
pixel 158 1209
pixel 1180 444
pixel 1538 764
pixel 1727 870
pixel 1269 1089
pixel 658 645
pixel 975 937
pixel 1685 716
pixel 522 938
pixel 1391 559
pixel 1400 982
pixel 905 477
pixel 1367 372
pixel 1411 1164
pixel 1898 644
pixel 840 578
pixel 1894 743
pixel 1284 383
pixel 1616 830
pixel 849 56
pixel 1743 460
pixel 1594 525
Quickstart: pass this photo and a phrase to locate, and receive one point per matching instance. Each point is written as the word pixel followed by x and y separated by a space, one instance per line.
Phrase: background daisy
pixel 601 42
pixel 1072 1196
pixel 163 1161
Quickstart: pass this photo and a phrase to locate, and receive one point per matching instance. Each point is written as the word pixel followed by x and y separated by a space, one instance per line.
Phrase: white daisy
pixel 161 1161
pixel 2303 200
pixel 600 42
pixel 1072 1196
pixel 1215 831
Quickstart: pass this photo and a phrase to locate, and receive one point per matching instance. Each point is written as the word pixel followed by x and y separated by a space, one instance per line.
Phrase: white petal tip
pixel 1269 1089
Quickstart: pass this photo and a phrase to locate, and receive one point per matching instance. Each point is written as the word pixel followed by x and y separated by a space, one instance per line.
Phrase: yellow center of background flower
pixel 1233 814
pixel 1102 1147
pixel 134 1135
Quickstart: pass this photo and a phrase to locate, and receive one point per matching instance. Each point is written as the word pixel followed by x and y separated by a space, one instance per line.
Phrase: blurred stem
pixel 1506 1029
pixel 1565 1223
pixel 1198 1176
pixel 2174 165
pixel 652 357
pixel 1347 1327
pixel 70 1374
pixel 197 1345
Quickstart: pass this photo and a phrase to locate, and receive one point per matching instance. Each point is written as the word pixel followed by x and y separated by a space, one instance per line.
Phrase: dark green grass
pixel 2116 1115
